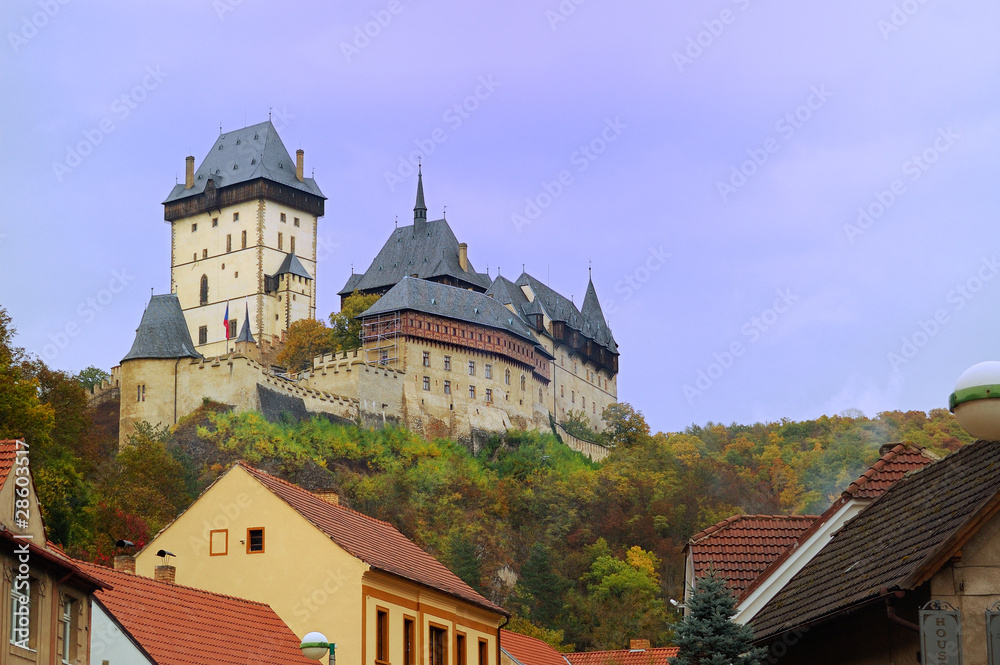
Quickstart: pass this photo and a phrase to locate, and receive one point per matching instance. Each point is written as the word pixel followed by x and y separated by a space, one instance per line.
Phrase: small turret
pixel 420 209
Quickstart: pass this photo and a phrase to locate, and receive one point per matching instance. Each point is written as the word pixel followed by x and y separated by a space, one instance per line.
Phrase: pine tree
pixel 707 635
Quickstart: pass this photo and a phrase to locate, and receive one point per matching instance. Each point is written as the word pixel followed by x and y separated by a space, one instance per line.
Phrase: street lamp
pixel 975 402
pixel 314 646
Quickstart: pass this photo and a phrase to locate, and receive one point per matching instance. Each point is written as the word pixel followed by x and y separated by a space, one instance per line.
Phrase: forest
pixel 583 555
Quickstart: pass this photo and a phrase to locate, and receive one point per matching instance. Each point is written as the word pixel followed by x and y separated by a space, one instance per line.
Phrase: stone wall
pixel 595 451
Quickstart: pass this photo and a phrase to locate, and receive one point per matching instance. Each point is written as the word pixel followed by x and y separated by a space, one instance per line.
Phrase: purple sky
pixel 829 107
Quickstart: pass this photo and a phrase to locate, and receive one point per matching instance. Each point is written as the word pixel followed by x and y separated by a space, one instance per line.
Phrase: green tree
pixel 91 376
pixel 625 426
pixel 708 635
pixel 305 339
pixel 464 561
pixel 545 587
pixel 22 413
pixel 578 424
pixel 346 327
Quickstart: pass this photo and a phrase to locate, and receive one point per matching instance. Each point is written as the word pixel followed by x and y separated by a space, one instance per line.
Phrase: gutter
pixel 890 610
pixel 506 620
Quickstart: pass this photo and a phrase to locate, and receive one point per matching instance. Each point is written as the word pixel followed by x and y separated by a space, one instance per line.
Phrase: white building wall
pixel 109 643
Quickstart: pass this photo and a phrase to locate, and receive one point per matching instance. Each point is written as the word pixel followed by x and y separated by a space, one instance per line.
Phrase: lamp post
pixel 315 645
pixel 975 402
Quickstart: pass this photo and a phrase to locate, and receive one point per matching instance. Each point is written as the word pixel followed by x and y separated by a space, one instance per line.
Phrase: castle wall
pixel 147 393
pixel 578 385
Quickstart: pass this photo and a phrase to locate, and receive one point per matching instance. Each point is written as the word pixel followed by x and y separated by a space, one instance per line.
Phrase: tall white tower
pixel 243 237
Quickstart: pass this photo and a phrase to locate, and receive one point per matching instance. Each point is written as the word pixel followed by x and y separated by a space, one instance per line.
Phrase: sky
pixel 790 209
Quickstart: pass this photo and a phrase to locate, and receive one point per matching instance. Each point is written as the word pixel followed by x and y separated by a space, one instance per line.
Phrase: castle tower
pixel 243 231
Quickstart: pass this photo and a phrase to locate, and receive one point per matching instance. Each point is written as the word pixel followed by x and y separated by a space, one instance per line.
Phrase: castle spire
pixel 420 209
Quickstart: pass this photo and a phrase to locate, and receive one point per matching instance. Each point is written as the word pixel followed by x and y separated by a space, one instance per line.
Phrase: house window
pixel 381 636
pixel 255 539
pixel 140 392
pixel 22 604
pixel 218 542
pixel 427 358
pixel 68 624
pixel 232 329
pixel 460 658
pixel 295 221
pixel 447 363
pixel 215 222
pixel 427 383
pixel 291 244
pixel 472 392
pixel 203 294
pixel 229 242
pixel 282 218
pixel 194 227
pixel 280 239
pixel 244 240
pixel 447 387
pixel 236 216
pixel 438 646
pixel 484 652
pixel 489 371
pixel 506 376
pixel 203 334
pixel 489 394
pixel 409 639
pixel 472 368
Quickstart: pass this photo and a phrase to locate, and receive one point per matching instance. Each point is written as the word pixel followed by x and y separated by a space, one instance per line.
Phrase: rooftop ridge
pixel 732 519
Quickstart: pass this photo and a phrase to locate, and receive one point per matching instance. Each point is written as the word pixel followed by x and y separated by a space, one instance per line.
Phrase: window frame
pixel 442 631
pixel 409 640
pixel 211 542
pixel 381 635
pixel 263 540
pixel 461 648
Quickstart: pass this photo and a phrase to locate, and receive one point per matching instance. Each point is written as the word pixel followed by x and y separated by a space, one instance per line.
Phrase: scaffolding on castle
pixel 379 338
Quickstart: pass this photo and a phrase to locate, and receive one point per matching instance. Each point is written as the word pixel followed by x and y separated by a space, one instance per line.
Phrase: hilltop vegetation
pixel 583 554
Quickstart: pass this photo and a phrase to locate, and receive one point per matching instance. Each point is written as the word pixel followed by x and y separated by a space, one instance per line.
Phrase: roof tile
pixel 656 656
pixel 529 650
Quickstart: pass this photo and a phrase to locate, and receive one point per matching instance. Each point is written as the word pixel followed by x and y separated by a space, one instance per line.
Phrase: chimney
pixel 188 172
pixel 300 156
pixel 638 645
pixel 463 256
pixel 330 496
pixel 125 563
pixel 165 573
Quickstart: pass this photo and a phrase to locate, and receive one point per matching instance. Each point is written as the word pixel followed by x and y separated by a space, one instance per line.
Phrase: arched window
pixel 204 290
pixel 506 376
pixel 523 382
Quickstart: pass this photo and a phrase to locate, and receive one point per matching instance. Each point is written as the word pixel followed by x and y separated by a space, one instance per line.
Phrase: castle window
pixel 427 358
pixel 472 368
pixel 280 243
pixel 562 391
pixel 572 396
pixel 472 392
pixel 489 371
pixel 232 329
pixel 203 297
pixel 506 376
pixel 539 394
pixel 291 244
pixel 583 402
pixel 574 368
pixel 383 357
pixel 194 227
pixel 295 221
pixel 593 406
pixel 489 394
pixel 244 240
pixel 447 363
pixel 203 335
pixel 523 382
pixel 229 242
pixel 195 257
pixel 255 540
pixel 215 222
pixel 236 216
pixel 427 383
pixel 282 218
pixel 480 337
pixel 140 392
pixel 447 387
pixel 204 253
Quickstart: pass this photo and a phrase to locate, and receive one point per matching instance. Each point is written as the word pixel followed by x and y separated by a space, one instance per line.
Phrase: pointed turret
pixel 419 209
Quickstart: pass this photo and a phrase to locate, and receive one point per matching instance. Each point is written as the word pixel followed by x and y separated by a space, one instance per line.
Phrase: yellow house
pixel 324 567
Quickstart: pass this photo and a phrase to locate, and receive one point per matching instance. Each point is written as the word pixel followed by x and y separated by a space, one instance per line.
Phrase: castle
pixel 445 351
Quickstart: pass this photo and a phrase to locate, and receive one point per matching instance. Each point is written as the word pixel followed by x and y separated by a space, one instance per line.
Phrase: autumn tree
pixel 91 376
pixel 22 413
pixel 305 339
pixel 626 427
pixel 346 326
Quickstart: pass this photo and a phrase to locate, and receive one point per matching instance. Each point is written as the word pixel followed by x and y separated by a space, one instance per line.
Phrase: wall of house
pixel 310 582
pixel 110 644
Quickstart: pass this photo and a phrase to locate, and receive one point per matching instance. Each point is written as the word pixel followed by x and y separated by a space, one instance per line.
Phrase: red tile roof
pixel 896 461
pixel 896 543
pixel 529 650
pixel 657 656
pixel 741 547
pixel 179 625
pixel 8 451
pixel 375 542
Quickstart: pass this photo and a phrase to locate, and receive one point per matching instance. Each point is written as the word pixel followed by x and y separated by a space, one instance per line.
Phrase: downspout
pixel 890 611
pixel 506 620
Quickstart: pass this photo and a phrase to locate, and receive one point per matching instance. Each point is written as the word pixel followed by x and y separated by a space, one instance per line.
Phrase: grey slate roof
pixel 595 325
pixel 559 308
pixel 352 284
pixel 420 295
pixel 243 155
pixel 245 334
pixel 431 251
pixel 292 266
pixel 163 332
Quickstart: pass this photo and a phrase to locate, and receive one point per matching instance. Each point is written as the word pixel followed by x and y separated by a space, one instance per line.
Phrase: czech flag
pixel 225 321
